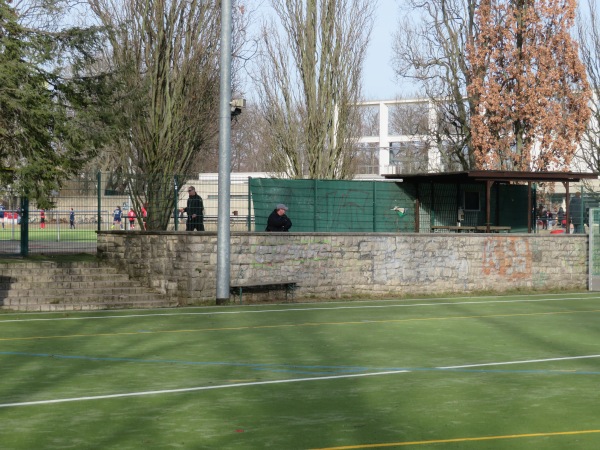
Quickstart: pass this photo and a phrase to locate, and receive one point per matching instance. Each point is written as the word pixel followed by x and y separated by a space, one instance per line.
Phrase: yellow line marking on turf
pixel 472 439
pixel 307 324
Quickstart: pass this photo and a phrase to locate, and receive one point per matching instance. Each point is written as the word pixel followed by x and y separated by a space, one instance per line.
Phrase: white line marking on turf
pixel 262 383
pixel 200 388
pixel 528 361
pixel 209 313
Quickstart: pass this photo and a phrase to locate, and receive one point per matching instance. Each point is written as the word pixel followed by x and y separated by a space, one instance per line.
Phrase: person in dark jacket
pixel 194 211
pixel 278 221
pixel 575 213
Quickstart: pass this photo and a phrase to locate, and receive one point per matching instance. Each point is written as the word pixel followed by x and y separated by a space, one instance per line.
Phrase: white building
pixel 396 140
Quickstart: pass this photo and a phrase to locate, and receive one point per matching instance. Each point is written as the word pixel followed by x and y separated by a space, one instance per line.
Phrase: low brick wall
pixel 325 265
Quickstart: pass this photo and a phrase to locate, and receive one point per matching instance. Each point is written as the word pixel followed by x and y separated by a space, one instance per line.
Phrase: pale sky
pixel 378 81
pixel 378 76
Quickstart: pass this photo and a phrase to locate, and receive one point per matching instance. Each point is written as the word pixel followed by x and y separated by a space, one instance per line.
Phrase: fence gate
pixel 594 250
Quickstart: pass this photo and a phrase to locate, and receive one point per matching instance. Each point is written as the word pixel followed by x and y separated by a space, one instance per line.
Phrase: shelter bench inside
pixel 469 229
pixel 455 228
pixel 494 229
pixel 264 286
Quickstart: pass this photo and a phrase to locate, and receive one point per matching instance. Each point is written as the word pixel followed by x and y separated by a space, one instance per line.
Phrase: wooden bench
pixel 266 286
pixel 493 229
pixel 453 228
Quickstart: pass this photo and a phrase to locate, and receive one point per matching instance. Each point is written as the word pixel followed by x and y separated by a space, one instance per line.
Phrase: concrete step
pixel 105 283
pixel 74 286
pixel 42 277
pixel 73 267
pixel 92 306
pixel 73 292
pixel 34 274
pixel 109 299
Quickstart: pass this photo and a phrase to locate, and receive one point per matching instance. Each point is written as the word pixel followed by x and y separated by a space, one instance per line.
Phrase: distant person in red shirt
pixel 131 216
pixel 42 219
pixel 144 214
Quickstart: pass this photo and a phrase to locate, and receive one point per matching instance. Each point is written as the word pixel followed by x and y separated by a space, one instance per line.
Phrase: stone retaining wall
pixel 183 265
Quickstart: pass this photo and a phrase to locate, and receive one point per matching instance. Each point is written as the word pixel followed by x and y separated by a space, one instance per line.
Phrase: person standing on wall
pixel 575 213
pixel 278 220
pixel 194 211
pixel 561 217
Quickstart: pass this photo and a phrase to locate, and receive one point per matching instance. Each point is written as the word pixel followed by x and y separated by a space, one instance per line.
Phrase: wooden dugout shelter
pixel 490 177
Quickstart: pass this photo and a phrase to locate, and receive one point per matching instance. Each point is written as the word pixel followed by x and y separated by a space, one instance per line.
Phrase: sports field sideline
pixel 496 372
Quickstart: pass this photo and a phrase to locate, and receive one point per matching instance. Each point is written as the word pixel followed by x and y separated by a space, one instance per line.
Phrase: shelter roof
pixel 493 175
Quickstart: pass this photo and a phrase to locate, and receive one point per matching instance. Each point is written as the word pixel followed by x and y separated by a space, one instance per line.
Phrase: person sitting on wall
pixel 278 221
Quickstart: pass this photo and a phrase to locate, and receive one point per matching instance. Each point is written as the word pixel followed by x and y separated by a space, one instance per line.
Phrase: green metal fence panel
pixel 10 223
pixel 89 203
pixel 513 207
pixel 335 205
pixel 70 226
pixel 394 207
pixel 594 249
pixel 441 205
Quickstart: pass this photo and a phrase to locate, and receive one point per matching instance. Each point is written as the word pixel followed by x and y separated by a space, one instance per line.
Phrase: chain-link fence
pixel 553 215
pixel 104 201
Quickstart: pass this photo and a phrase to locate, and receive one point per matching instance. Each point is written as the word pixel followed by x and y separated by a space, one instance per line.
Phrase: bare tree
pixel 588 34
pixel 166 54
pixel 429 48
pixel 309 81
pixel 250 142
pixel 529 85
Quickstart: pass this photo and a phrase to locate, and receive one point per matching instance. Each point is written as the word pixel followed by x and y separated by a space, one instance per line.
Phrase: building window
pixel 472 201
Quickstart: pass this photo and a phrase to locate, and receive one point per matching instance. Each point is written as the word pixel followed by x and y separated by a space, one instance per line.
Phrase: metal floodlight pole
pixel 223 231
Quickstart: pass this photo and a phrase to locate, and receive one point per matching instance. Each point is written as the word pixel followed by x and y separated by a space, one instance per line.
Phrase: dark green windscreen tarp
pixel 384 206
pixel 334 205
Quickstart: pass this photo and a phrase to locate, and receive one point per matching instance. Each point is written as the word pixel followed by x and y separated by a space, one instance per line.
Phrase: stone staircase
pixel 72 286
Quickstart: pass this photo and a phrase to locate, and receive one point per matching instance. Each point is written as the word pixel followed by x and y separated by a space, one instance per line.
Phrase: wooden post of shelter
pixel 568 206
pixel 529 207
pixel 488 189
pixel 488 178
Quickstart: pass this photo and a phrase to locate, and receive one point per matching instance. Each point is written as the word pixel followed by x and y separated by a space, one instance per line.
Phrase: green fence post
pixel 24 226
pixel 99 191
pixel 374 204
pixel 582 212
pixel 176 202
pixel 249 206
pixel 315 205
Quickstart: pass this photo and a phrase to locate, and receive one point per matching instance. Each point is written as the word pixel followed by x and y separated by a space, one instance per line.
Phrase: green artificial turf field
pixel 52 233
pixel 505 372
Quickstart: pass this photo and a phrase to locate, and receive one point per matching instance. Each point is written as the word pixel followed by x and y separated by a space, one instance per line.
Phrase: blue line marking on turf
pixel 311 370
pixel 325 370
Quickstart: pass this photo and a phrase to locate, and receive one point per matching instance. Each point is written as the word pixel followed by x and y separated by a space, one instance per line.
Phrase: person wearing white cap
pixel 278 221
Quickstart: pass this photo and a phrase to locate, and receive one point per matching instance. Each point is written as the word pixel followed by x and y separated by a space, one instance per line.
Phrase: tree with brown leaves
pixel 528 84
